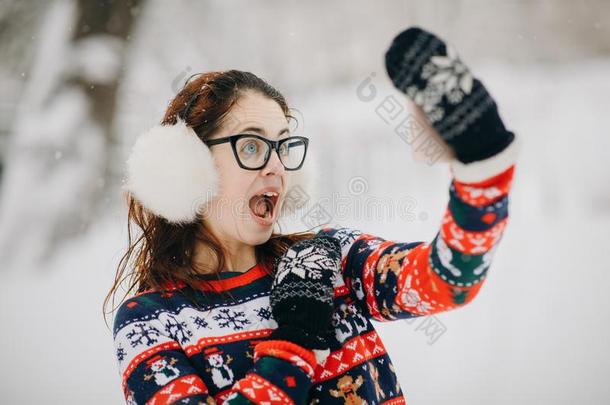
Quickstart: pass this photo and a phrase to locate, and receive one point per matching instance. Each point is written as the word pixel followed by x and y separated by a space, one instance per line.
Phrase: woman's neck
pixel 238 257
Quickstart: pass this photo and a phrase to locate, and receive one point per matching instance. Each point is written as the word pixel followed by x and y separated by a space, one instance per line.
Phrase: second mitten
pixel 302 293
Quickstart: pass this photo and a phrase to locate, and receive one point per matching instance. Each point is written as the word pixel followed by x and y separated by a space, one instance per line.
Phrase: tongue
pixel 261 206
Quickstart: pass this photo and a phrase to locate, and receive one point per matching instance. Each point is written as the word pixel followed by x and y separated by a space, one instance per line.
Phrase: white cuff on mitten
pixel 484 169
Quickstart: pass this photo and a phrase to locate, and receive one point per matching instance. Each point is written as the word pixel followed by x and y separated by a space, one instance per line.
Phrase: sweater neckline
pixel 226 274
pixel 228 279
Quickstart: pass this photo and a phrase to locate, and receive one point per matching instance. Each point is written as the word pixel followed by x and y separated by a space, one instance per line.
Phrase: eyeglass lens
pixel 252 151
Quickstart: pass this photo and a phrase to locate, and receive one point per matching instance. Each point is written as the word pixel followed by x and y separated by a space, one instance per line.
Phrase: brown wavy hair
pixel 164 251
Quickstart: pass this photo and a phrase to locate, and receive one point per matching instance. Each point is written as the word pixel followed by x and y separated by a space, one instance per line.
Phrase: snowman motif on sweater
pixel 222 375
pixel 162 371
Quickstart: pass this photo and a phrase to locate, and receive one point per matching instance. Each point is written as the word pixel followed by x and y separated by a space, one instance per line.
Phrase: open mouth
pixel 263 205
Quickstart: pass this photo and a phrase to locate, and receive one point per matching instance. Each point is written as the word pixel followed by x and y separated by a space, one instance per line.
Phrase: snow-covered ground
pixel 535 334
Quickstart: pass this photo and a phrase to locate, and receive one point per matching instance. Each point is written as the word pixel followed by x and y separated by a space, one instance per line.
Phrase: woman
pixel 226 311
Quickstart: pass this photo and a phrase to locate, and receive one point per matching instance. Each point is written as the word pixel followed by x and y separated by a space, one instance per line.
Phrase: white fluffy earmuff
pixel 171 172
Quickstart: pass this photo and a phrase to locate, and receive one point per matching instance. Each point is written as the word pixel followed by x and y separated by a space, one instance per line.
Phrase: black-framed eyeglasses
pixel 252 151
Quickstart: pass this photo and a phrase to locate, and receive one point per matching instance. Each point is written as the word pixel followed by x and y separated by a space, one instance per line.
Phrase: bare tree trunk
pixel 100 18
pixel 57 172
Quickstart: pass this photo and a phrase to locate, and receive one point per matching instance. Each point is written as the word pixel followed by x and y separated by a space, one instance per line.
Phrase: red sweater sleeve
pixel 396 280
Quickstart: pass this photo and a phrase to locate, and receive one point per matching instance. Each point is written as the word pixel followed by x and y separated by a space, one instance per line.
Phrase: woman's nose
pixel 274 165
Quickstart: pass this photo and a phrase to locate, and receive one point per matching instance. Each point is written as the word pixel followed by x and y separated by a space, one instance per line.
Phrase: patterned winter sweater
pixel 169 351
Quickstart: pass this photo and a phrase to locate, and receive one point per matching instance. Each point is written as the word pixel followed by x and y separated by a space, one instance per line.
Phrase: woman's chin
pixel 257 232
pixel 256 238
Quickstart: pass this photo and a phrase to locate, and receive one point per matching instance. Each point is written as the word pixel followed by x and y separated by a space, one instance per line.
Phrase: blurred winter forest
pixel 81 79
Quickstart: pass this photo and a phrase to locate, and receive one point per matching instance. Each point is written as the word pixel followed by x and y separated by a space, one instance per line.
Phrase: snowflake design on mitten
pixel 307 263
pixel 432 94
pixel 455 96
pixel 444 75
pixel 435 114
pixel 451 73
pixel 429 99
pixel 428 70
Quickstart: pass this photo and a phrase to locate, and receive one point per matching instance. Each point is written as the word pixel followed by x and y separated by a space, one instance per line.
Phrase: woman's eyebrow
pixel 262 131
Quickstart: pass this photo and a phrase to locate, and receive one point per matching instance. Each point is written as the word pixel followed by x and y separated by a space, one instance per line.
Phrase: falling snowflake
pixel 143 334
pixel 231 319
pixel 177 329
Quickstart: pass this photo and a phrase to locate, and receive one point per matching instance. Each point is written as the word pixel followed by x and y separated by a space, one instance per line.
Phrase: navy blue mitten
pixel 457 105
pixel 302 293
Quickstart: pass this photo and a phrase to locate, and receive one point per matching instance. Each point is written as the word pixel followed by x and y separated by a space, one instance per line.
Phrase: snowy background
pixel 80 79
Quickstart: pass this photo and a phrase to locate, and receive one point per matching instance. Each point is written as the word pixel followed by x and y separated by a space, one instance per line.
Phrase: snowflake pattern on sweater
pixel 170 352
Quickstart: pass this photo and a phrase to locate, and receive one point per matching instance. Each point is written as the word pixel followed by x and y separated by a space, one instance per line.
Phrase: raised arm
pixel 393 279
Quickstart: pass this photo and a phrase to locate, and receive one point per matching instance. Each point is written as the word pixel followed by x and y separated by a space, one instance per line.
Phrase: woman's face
pixel 230 214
